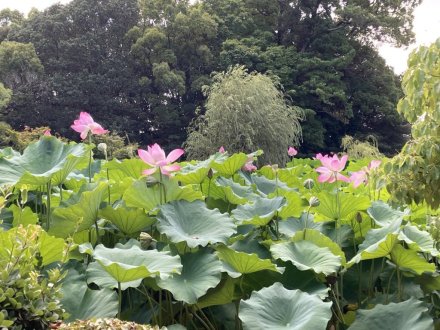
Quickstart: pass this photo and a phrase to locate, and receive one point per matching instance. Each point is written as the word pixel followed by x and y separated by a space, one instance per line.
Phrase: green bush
pixel 29 297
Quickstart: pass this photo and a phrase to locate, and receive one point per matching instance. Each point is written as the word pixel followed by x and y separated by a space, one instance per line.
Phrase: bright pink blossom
pixel 155 156
pixel 361 176
pixel 86 124
pixel 292 152
pixel 221 150
pixel 47 133
pixel 249 166
pixel 331 166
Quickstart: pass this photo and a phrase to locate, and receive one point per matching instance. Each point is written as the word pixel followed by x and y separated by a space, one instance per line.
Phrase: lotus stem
pixel 119 300
pixel 49 188
pixel 90 159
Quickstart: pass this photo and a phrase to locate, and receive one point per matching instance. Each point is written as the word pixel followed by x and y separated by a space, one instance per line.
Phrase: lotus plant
pixel 155 156
pixel 292 152
pixel 331 168
pixel 85 125
pixel 362 176
pixel 249 166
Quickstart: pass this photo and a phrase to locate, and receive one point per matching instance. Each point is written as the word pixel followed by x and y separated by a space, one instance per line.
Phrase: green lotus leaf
pixel 260 212
pixel 128 220
pixel 194 223
pixel 194 173
pixel 321 240
pixel 237 263
pixel 278 308
pixel 291 226
pixel 306 255
pixel 418 240
pixel 23 216
pixel 222 294
pixel 294 207
pixel 52 249
pixel 235 193
pixel 378 243
pixel 227 166
pixel 349 205
pixel 409 260
pixel 410 314
pixel 97 274
pixel 264 185
pixel 44 161
pixel 201 271
pixel 127 263
pixel 78 216
pixel 131 168
pixel 83 303
pixel 148 198
pixel 383 214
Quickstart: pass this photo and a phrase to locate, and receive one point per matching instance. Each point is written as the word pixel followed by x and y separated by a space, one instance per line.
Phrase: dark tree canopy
pixel 139 66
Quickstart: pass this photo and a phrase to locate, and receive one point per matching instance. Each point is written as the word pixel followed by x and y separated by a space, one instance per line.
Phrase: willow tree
pixel 415 173
pixel 245 112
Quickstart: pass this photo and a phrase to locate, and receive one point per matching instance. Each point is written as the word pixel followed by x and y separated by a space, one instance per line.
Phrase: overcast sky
pixel 426 27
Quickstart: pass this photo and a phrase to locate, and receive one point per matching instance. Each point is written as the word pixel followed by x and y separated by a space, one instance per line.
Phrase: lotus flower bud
pixel 359 217
pixel 210 173
pixel 145 240
pixel 309 184
pixel 102 147
pixel 314 201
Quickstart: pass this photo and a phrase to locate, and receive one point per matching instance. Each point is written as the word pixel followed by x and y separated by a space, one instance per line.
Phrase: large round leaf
pixel 330 209
pixel 194 173
pixel 126 263
pixel 83 303
pixel 237 263
pixel 260 212
pixel 290 226
pixel 201 271
pixel 409 260
pixel 148 198
pixel 383 214
pixel 97 274
pixel 306 255
pixel 128 220
pixel 47 160
pixel 194 223
pixel 418 240
pixel 235 193
pixel 378 243
pixel 79 215
pixel 278 308
pixel 227 166
pixel 410 314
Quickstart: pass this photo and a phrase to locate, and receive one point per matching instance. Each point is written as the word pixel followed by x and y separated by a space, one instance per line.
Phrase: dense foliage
pixel 208 244
pixel 416 170
pixel 139 66
pixel 245 112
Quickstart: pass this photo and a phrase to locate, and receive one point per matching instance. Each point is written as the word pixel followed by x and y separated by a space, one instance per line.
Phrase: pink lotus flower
pixel 331 166
pixel 249 166
pixel 292 152
pixel 361 176
pixel 86 124
pixel 221 150
pixel 155 156
pixel 47 133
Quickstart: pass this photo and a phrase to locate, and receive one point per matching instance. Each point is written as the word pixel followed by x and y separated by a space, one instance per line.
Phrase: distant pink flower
pixel 249 166
pixel 292 152
pixel 221 150
pixel 47 133
pixel 361 176
pixel 86 124
pixel 155 156
pixel 331 166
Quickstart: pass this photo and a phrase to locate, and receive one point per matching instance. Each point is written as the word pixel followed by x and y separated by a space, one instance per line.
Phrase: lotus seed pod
pixel 314 201
pixel 145 240
pixel 309 184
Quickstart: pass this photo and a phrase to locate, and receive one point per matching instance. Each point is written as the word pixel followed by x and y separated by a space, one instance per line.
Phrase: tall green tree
pixel 245 112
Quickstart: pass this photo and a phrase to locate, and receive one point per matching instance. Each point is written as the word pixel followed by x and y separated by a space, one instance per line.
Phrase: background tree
pixel 414 174
pixel 245 112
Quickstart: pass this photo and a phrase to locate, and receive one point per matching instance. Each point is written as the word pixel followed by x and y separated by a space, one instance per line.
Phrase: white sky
pixel 426 27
